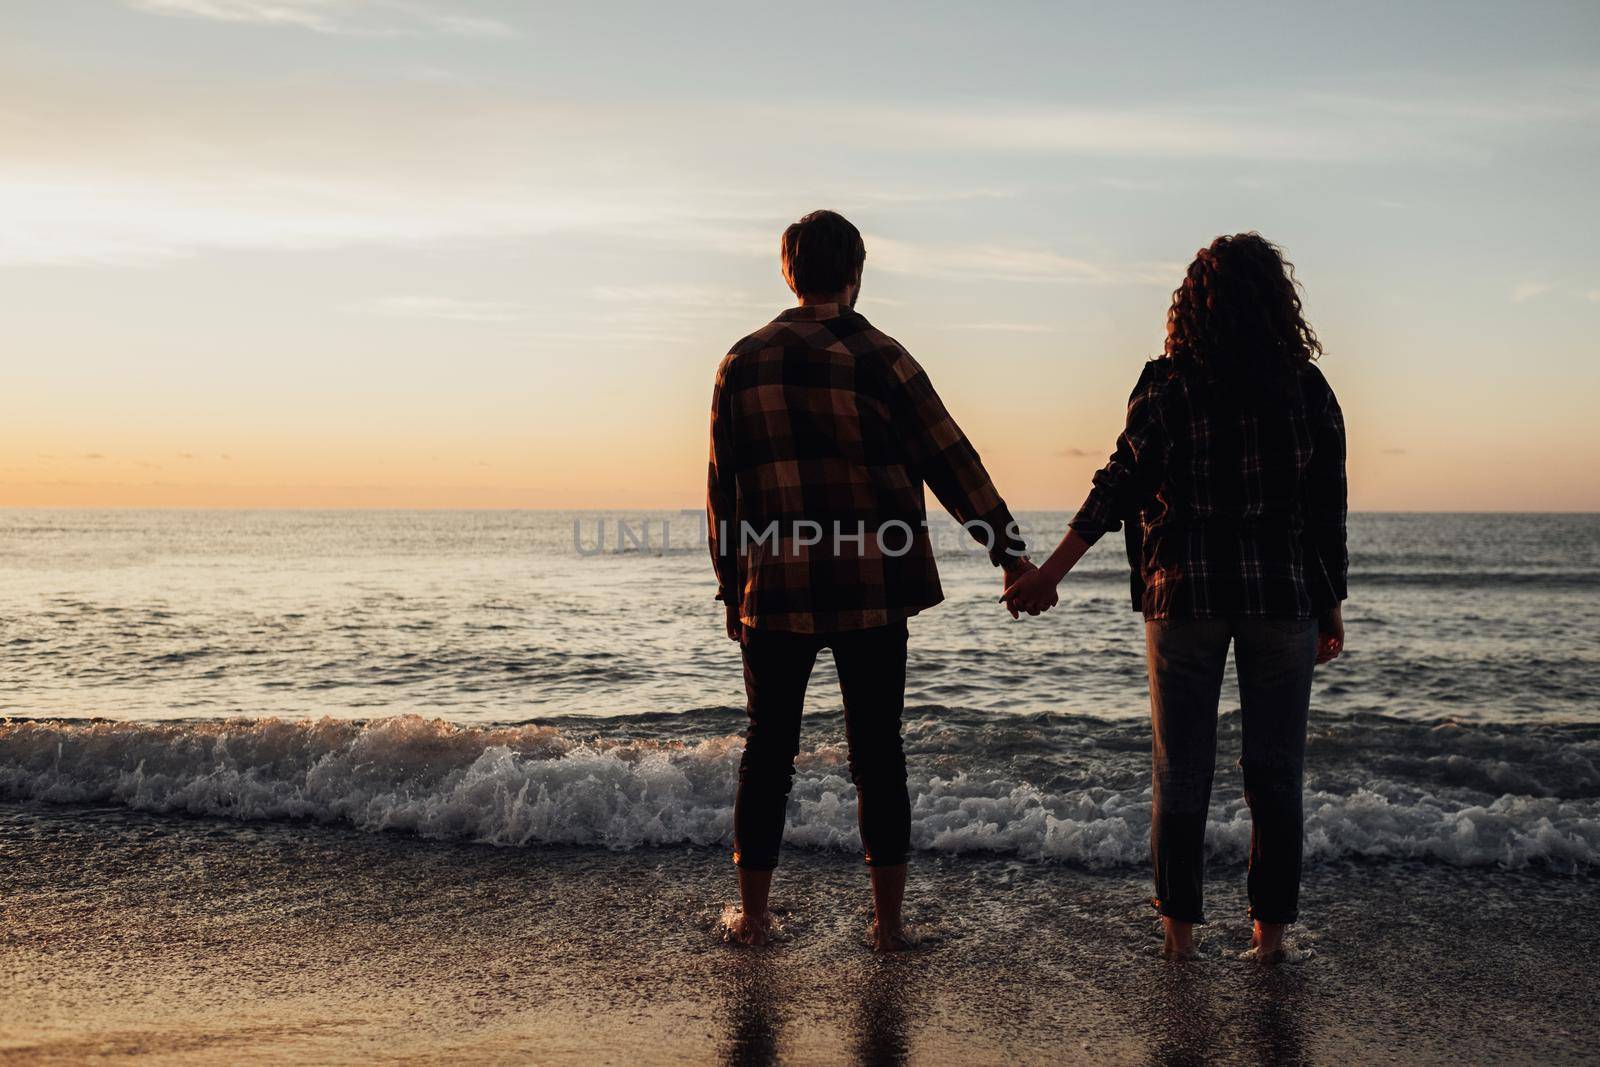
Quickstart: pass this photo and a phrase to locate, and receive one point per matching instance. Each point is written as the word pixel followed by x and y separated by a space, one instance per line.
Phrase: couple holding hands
pixel 1230 476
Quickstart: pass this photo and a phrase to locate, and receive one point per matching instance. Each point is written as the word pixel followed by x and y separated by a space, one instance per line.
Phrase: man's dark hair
pixel 822 254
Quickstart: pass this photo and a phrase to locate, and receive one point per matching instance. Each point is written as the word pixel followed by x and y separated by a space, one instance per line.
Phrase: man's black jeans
pixel 1274 659
pixel 872 676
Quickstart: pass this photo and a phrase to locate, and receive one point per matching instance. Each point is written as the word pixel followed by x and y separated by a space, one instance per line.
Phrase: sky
pixel 414 253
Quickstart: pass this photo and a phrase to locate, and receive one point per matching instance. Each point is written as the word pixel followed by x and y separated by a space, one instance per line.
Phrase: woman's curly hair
pixel 1237 315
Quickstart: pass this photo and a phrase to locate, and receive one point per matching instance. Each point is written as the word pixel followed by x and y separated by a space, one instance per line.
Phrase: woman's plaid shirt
pixel 1241 508
pixel 825 429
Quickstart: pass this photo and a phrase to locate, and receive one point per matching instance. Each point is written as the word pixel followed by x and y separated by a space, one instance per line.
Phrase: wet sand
pixel 130 937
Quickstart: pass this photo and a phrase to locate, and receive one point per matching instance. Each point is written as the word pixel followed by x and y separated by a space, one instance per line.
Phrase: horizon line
pixel 671 510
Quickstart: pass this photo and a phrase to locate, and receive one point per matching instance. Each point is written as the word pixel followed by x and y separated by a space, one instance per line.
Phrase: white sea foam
pixel 535 785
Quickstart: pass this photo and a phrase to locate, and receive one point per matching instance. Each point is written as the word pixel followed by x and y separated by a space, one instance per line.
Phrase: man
pixel 823 432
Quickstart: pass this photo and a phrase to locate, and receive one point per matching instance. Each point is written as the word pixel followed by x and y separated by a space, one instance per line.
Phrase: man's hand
pixel 735 627
pixel 1027 589
pixel 1330 635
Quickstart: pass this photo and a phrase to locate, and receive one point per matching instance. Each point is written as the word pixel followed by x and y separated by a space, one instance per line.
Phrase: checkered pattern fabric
pixel 825 430
pixel 1241 507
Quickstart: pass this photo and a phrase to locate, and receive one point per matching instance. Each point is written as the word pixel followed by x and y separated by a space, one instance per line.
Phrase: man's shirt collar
pixel 813 313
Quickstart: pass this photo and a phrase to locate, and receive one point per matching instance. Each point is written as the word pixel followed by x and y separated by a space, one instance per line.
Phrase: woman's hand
pixel 1032 591
pixel 1330 635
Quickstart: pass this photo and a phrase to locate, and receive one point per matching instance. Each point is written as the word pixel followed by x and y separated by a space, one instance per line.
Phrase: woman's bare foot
pixel 751 930
pixel 1268 943
pixel 1179 940
pixel 889 938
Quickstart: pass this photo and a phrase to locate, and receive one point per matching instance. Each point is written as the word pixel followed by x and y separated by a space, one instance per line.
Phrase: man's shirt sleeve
pixel 721 496
pixel 942 457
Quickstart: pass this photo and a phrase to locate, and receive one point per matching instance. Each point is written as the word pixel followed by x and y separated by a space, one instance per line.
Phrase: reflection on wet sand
pixel 316 945
pixel 754 1020
pixel 1278 1020
pixel 1183 1022
pixel 759 1005
pixel 881 1038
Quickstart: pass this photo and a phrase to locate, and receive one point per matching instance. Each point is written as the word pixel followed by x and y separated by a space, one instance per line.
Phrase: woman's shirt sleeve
pixel 1135 469
pixel 1327 509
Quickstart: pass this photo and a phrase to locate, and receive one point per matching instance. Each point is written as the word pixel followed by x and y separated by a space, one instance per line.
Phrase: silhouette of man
pixel 823 432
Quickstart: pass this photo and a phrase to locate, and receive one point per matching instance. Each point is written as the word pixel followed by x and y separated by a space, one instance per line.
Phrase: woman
pixel 1232 464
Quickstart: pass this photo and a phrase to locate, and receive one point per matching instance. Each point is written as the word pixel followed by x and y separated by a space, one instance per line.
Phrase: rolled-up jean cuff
pixel 1275 920
pixel 887 861
pixel 755 863
pixel 1198 918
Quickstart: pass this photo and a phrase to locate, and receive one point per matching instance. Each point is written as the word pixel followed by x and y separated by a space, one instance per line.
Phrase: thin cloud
pixel 148 178
pixel 446 308
pixel 1415 117
pixel 996 261
pixel 434 76
pixel 1077 453
pixel 380 18
pixel 1529 290
pixel 623 335
pixel 1010 263
pixel 58 218
pixel 698 296
pixel 63 218
pixel 1005 327
pixel 1177 132
pixel 669 314
pixel 307 16
pixel 1133 185
pixel 1551 97
pixel 1395 451
pixel 1594 294
pixel 896 197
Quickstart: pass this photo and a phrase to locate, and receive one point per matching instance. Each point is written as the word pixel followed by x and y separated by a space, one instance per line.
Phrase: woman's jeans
pixel 872 677
pixel 1274 659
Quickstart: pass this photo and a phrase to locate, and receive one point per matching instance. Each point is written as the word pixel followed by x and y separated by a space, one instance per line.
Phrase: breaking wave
pixel 1048 788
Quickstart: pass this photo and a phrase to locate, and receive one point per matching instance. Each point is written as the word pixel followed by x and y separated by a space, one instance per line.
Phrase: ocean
pixel 528 678
pixel 296 721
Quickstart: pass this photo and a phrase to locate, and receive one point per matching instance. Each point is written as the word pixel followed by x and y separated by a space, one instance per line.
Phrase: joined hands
pixel 1033 589
pixel 1029 589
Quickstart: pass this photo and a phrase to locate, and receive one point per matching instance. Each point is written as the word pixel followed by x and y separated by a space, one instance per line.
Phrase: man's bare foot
pixel 1178 941
pixel 889 938
pixel 888 893
pixel 751 930
pixel 1267 944
pixel 751 923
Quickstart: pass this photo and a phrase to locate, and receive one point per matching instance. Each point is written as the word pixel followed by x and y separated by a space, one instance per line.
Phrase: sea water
pixel 545 678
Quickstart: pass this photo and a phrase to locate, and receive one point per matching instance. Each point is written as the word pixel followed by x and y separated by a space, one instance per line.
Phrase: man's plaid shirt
pixel 820 423
pixel 1240 509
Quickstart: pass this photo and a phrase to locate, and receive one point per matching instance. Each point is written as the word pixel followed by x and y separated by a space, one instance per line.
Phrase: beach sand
pixel 176 940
